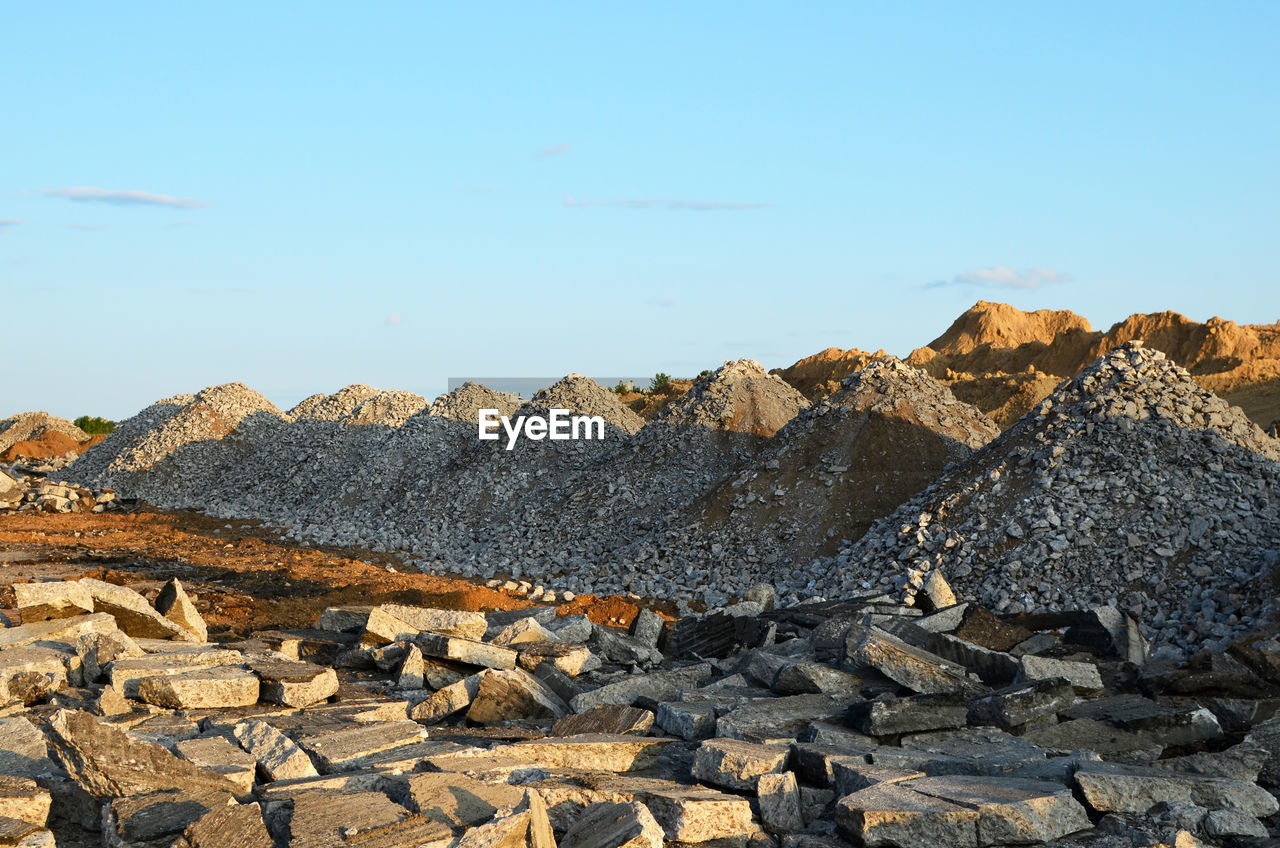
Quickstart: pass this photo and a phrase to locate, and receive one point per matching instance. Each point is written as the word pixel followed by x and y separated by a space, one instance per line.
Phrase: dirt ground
pixel 243 575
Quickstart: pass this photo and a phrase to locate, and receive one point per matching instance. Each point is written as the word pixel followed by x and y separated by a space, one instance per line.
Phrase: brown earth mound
pixel 48 446
pixel 1004 360
pixel 649 404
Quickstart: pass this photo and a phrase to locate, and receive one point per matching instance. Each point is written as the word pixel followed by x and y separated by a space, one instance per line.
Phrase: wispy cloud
pixel 1004 277
pixel 120 197
pixel 9 223
pixel 651 203
pixel 553 150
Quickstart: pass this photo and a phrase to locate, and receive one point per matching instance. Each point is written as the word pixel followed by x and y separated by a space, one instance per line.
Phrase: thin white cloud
pixel 553 150
pixel 1004 277
pixel 9 223
pixel 650 203
pixel 120 197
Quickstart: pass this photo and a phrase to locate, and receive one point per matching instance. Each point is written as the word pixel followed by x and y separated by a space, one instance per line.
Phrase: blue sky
pixel 302 196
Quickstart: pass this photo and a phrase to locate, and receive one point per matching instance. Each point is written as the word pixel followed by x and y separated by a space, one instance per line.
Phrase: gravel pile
pixel 1129 484
pixel 740 396
pixel 587 397
pixel 335 407
pixel 885 435
pixel 387 408
pixel 465 402
pixel 30 426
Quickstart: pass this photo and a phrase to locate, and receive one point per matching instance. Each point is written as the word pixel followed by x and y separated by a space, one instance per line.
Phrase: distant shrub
pixel 94 426
pixel 621 388
pixel 659 382
pixel 705 372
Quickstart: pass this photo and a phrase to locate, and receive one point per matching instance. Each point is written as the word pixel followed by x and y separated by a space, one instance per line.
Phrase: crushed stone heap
pixel 465 402
pixel 33 426
pixel 740 396
pixel 583 396
pixel 1129 482
pixel 166 427
pixel 389 408
pixel 338 406
pixel 849 460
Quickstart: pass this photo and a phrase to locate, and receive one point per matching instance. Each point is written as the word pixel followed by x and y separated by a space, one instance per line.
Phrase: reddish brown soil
pixel 48 446
pixel 245 577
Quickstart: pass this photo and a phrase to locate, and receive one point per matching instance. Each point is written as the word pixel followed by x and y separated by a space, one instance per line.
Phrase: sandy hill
pixel 1004 360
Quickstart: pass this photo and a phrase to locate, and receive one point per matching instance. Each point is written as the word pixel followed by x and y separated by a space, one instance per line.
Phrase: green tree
pixel 659 382
pixel 94 425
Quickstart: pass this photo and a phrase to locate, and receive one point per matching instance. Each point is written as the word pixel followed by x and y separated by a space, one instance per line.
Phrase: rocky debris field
pixel 23 489
pixel 858 722
pixel 1130 484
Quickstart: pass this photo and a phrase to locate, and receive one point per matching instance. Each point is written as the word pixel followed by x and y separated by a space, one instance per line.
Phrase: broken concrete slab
pixel 52 600
pixel 1089 734
pixel 139 819
pixel 572 629
pixel 175 604
pixel 447 700
pixel 292 683
pixel 971 750
pixel 656 686
pixel 23 799
pixel 278 757
pixel 1020 703
pixel 1113 787
pixel 20 834
pixel 893 815
pixel 98 650
pixel 56 630
pixel 133 614
pixel 735 764
pixel 513 694
pixel 590 751
pixel 573 660
pixel 777 719
pixel 399 623
pixel 333 750
pixel 907 665
pixel 850 775
pixel 329 819
pixel 893 716
pixel 1169 722
pixel 412 673
pixel 466 651
pixel 106 762
pixel 223 687
pixel 1105 630
pixel 23 751
pixel 614 825
pixel 1266 736
pixel 523 631
pixel 779 798
pixel 127 673
pixel 235 826
pixel 1083 676
pixel 811 678
pixel 1011 811
pixel 28 674
pixel 689 814
pixel 345 619
pixel 607 718
pixel 689 720
pixel 219 754
pixel 452 798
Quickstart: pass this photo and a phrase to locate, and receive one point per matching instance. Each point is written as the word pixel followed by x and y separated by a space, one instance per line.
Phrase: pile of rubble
pixel 465 402
pixel 586 397
pixel 814 726
pixel 739 397
pixel 34 426
pixel 23 489
pixel 1129 482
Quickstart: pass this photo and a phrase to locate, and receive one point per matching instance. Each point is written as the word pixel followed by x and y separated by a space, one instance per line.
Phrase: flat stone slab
pixel 972 750
pixel 292 683
pixel 23 799
pixel 1111 787
pixel 503 696
pixel 590 752
pixel 907 665
pixel 1010 811
pixel 278 757
pixel 23 751
pixel 735 764
pixel 466 651
pixel 20 834
pixel 779 720
pixel 236 826
pixel 657 686
pixel 614 825
pixel 909 715
pixel 333 750
pixel 1020 703
pixel 779 798
pixel 685 813
pixel 175 604
pixel 398 623
pixel 219 754
pixel 52 600
pixel 1083 676
pixel 894 815
pixel 58 630
pixel 452 798
pixel 446 701
pixel 329 819
pixel 608 718
pixel 126 674
pixel 139 819
pixel 222 687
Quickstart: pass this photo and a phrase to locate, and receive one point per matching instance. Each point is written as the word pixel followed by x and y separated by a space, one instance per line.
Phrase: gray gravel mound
pixel 335 407
pixel 584 396
pixel 1128 483
pixel 465 402
pixel 740 396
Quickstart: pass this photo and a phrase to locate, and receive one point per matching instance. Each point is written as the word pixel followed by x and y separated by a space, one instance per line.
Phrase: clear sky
pixel 306 195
